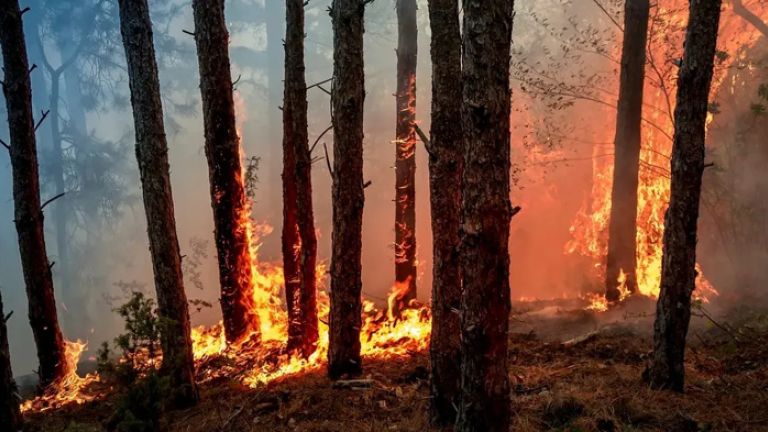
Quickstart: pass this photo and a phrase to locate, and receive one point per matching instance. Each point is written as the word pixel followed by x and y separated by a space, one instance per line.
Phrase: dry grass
pixel 593 386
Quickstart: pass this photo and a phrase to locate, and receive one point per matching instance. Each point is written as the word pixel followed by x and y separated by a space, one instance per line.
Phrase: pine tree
pixel 678 269
pixel 152 155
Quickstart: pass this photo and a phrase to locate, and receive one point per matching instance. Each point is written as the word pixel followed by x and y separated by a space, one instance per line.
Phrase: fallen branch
pixel 353 384
pixel 580 339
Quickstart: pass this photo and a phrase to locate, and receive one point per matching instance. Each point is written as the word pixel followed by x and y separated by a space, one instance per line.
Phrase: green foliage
pixel 252 176
pixel 146 392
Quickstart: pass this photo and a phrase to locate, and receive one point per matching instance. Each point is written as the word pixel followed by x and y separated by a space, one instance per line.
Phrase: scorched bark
pixel 405 154
pixel 10 414
pixel 486 213
pixel 445 165
pixel 678 267
pixel 297 181
pixel 28 214
pixel 222 149
pixel 622 237
pixel 347 97
pixel 152 155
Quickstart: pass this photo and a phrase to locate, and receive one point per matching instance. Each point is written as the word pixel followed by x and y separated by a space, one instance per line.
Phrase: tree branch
pixel 52 199
pixel 610 17
pixel 424 139
pixel 39 122
pixel 319 83
pixel 328 160
pixel 5 145
pixel 750 17
pixel 311 149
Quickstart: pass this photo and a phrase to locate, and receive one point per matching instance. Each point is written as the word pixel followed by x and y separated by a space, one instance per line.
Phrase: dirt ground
pixel 591 383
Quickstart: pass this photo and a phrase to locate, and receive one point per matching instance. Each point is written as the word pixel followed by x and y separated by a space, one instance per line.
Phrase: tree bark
pixel 622 237
pixel 405 154
pixel 28 213
pixel 222 149
pixel 678 272
pixel 301 251
pixel 445 166
pixel 347 97
pixel 486 213
pixel 10 413
pixel 152 156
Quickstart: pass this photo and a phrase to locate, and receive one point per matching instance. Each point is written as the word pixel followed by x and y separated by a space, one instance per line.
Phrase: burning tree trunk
pixel 152 155
pixel 405 155
pixel 28 212
pixel 222 149
pixel 10 414
pixel 347 97
pixel 486 212
pixel 622 239
pixel 445 164
pixel 299 239
pixel 678 272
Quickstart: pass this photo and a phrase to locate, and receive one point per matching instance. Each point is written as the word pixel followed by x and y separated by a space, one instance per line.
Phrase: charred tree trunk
pixel 486 212
pixel 222 149
pixel 622 238
pixel 10 414
pixel 28 213
pixel 405 155
pixel 297 181
pixel 152 155
pixel 347 97
pixel 445 165
pixel 678 270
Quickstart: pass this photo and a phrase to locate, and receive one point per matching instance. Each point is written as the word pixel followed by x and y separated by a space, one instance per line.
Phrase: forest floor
pixel 592 382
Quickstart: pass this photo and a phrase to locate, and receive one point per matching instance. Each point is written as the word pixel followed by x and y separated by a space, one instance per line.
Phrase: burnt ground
pixel 590 383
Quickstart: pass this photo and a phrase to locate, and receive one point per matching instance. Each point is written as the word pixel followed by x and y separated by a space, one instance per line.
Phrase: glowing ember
pixel 68 389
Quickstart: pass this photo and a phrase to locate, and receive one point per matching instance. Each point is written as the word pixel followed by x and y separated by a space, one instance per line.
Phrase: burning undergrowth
pixel 591 384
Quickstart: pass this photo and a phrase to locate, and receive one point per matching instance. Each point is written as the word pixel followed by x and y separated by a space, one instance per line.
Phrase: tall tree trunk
pixel 28 213
pixel 152 155
pixel 347 97
pixel 274 12
pixel 60 215
pixel 405 154
pixel 300 251
pixel 678 269
pixel 486 212
pixel 622 238
pixel 222 149
pixel 445 165
pixel 10 414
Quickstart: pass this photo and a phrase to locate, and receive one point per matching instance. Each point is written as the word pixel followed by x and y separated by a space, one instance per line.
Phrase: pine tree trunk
pixel 298 174
pixel 405 154
pixel 445 165
pixel 348 95
pixel 10 414
pixel 152 156
pixel 28 213
pixel 678 271
pixel 222 149
pixel 486 212
pixel 622 239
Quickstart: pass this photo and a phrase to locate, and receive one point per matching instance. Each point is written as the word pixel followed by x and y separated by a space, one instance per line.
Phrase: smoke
pixel 554 141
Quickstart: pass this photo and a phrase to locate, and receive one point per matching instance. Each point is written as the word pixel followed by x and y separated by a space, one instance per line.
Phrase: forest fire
pixel 70 388
pixel 590 228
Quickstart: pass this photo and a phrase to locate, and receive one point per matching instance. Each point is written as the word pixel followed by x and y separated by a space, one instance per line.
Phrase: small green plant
pixel 146 392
